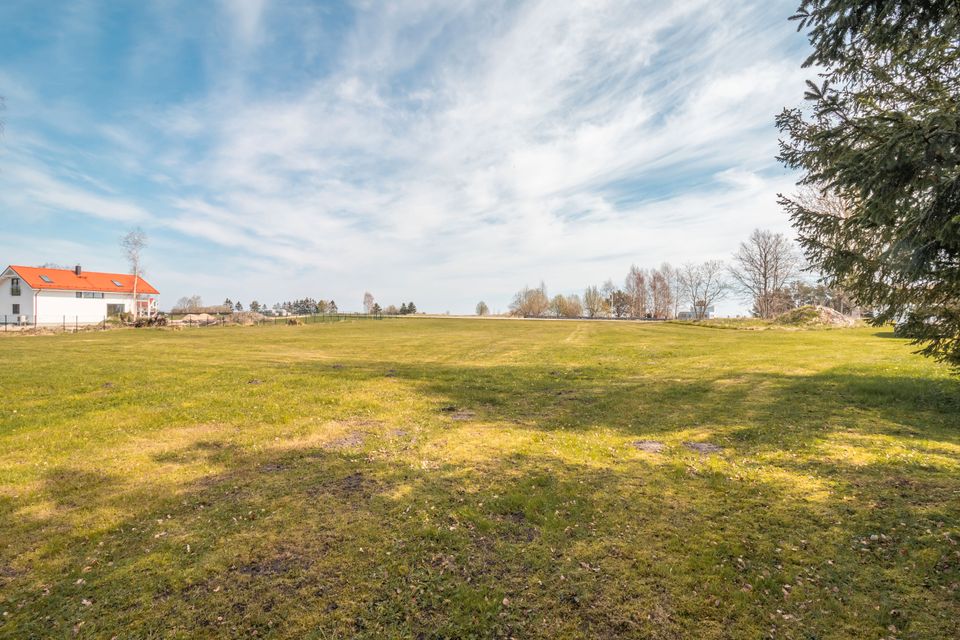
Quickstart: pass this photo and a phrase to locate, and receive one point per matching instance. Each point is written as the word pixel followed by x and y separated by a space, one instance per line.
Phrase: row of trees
pixel 305 306
pixel 370 305
pixel 647 293
pixel 764 271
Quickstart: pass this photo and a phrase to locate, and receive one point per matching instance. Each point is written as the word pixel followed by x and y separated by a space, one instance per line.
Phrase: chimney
pixel 77 270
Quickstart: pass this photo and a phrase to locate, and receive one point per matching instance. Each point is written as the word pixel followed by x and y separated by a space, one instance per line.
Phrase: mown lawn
pixel 470 478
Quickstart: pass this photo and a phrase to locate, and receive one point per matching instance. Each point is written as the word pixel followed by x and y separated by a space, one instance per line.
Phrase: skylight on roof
pixel 116 283
pixel 46 278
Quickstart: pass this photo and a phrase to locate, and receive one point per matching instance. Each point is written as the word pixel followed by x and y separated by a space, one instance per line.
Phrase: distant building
pixel 37 295
pixel 692 315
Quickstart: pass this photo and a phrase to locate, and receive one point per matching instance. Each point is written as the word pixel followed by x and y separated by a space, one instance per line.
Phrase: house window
pixel 79 294
pixel 16 309
pixel 46 279
pixel 114 309
pixel 14 286
pixel 116 284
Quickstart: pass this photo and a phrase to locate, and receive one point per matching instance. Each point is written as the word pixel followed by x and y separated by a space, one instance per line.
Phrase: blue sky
pixel 441 152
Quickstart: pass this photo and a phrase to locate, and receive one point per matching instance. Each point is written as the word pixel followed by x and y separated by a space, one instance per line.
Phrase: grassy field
pixel 468 478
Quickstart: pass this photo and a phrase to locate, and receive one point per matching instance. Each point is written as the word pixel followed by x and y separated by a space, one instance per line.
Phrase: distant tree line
pixel 305 306
pixel 765 271
pixel 647 293
pixel 372 306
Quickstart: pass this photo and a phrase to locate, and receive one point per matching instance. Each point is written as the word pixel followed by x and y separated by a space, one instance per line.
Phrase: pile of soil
pixel 197 318
pixel 810 316
pixel 247 318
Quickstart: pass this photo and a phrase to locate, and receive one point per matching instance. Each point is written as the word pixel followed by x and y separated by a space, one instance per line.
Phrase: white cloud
pixel 37 188
pixel 452 150
pixel 246 16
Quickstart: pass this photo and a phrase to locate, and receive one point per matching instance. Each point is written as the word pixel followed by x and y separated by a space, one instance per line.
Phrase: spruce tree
pixel 881 134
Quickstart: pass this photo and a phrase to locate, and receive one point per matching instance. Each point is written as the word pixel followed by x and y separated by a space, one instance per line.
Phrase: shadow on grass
pixel 765 410
pixel 312 543
pixel 388 537
pixel 888 334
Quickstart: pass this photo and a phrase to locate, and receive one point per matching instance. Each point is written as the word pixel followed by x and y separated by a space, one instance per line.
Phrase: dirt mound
pixel 247 318
pixel 197 318
pixel 810 316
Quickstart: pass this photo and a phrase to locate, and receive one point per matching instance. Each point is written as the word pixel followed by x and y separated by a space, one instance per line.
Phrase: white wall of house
pixel 55 307
pixel 7 300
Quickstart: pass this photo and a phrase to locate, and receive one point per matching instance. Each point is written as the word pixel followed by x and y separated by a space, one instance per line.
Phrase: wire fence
pixel 58 323
pixel 20 323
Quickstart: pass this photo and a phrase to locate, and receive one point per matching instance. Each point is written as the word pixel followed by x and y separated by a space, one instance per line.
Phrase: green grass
pixel 465 478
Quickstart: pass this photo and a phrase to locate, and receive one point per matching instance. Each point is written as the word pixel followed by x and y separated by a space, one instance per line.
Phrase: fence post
pixel 76 324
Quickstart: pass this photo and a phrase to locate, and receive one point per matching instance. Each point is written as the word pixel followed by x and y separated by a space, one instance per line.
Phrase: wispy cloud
pixel 447 151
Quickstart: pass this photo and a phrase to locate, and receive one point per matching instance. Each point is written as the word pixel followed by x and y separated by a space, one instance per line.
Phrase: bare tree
pixel 672 275
pixel 619 303
pixel 638 292
pixel 557 305
pixel 531 303
pixel 566 306
pixel 190 304
pixel 762 267
pixel 133 244
pixel 661 295
pixel 483 309
pixel 574 307
pixel 368 302
pixel 593 302
pixel 702 285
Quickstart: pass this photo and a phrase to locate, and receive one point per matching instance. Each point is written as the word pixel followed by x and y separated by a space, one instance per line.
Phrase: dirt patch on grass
pixel 348 488
pixel 456 413
pixel 7 574
pixel 650 446
pixel 516 528
pixel 276 566
pixel 350 441
pixel 703 447
pixel 353 482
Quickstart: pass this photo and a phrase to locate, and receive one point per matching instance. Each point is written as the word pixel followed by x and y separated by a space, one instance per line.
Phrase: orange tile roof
pixel 86 281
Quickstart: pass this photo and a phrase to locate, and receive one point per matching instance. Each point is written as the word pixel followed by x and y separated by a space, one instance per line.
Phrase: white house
pixel 36 295
pixel 706 313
